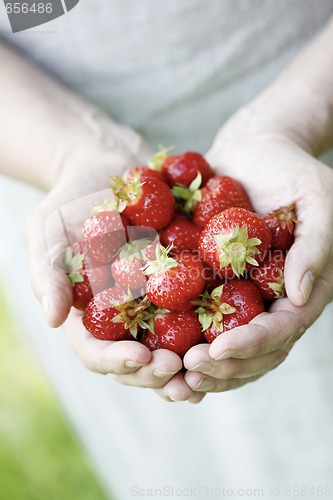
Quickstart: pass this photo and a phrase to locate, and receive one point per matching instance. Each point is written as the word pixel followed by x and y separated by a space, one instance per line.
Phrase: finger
pixel 310 252
pixel 176 389
pixel 277 329
pixel 203 383
pixel 196 397
pixel 50 286
pixel 198 358
pixel 242 368
pixel 162 367
pixel 266 333
pixel 104 356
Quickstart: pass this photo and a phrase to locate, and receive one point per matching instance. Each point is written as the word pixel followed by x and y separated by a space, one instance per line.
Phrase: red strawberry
pixel 220 193
pixel 183 169
pixel 149 203
pixel 269 277
pixel 127 272
pixel 86 282
pixel 126 269
pixel 114 315
pixel 175 331
pixel 143 174
pixel 232 239
pixel 282 223
pixel 104 233
pixel 173 282
pixel 228 306
pixel 182 234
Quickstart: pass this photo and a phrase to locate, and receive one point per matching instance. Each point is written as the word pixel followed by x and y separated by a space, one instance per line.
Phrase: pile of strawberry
pixel 176 256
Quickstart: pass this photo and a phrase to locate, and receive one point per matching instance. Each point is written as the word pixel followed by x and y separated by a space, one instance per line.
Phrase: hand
pixel 131 362
pixel 275 171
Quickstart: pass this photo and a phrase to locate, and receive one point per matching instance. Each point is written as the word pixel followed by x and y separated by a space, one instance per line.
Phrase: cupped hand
pixel 48 234
pixel 276 172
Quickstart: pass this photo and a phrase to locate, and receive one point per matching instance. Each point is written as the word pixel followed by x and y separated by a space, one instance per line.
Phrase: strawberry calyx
pixel 155 312
pixel 134 249
pixel 286 215
pixel 134 313
pixel 162 262
pixel 157 160
pixel 126 192
pixel 278 286
pixel 237 249
pixel 108 205
pixel 211 309
pixel 191 195
pixel 73 266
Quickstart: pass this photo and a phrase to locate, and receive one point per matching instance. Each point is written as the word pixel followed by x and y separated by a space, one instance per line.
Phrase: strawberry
pixel 182 234
pixel 269 277
pixel 232 239
pixel 175 331
pixel 181 169
pixel 105 232
pixel 220 193
pixel 114 315
pixel 173 282
pixel 126 269
pixel 184 168
pixel 143 174
pixel 149 203
pixel 282 224
pixel 230 305
pixel 86 282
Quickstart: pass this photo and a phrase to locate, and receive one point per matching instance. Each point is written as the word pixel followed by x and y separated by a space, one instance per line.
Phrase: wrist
pixel 110 150
pixel 297 112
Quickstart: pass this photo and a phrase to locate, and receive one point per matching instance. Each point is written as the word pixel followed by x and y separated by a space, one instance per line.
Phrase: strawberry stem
pixel 157 160
pixel 211 309
pixel 237 249
pixel 162 263
pixel 134 314
pixel 73 266
pixel 191 195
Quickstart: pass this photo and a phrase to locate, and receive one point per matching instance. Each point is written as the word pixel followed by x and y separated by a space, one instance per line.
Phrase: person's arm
pixel 47 129
pixel 271 146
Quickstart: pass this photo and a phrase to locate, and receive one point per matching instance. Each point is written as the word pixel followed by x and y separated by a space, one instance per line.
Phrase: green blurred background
pixel 40 455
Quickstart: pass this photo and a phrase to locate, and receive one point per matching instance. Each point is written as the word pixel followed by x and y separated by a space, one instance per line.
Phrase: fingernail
pixel 306 285
pixel 204 366
pixel 204 385
pixel 158 373
pixel 45 305
pixel 225 355
pixel 133 364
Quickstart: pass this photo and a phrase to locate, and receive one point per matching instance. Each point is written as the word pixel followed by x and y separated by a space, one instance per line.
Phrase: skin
pixel 276 136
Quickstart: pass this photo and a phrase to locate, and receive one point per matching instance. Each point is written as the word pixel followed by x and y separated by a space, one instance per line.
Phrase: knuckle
pixel 229 369
pixel 279 357
pixel 84 353
pixel 225 385
pixel 327 289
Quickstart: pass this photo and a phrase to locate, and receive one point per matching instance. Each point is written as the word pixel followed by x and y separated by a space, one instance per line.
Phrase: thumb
pixel 51 285
pixel 309 254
